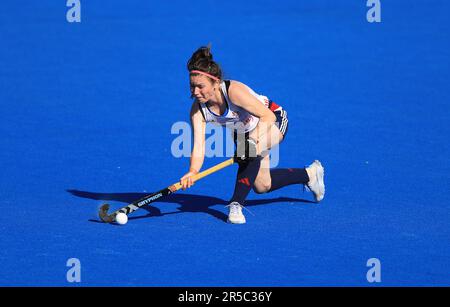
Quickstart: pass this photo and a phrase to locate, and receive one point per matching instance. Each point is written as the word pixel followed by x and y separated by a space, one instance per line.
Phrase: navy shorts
pixel 282 121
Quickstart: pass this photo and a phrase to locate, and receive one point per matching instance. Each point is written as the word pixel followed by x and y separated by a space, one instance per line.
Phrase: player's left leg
pixel 256 173
pixel 268 180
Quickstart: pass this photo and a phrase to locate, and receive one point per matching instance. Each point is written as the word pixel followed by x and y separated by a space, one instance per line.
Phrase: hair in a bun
pixel 202 60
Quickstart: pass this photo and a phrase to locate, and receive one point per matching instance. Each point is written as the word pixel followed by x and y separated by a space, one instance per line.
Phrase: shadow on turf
pixel 187 202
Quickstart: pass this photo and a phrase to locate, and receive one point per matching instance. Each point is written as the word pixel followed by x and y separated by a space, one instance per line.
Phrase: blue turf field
pixel 86 116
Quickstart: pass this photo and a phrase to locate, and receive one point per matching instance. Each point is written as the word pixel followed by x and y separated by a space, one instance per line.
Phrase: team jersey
pixel 234 116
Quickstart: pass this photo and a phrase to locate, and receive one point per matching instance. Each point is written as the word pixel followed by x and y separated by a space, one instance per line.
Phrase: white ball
pixel 121 218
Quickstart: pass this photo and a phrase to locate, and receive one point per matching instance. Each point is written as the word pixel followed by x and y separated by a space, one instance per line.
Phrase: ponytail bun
pixel 202 59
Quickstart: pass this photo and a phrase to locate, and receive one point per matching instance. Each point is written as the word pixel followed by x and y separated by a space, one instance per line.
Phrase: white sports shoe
pixel 316 184
pixel 235 215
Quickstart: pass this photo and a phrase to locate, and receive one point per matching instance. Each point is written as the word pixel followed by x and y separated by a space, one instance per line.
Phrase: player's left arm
pixel 241 96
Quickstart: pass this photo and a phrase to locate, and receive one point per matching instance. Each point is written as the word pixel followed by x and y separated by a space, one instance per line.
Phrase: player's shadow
pixel 187 202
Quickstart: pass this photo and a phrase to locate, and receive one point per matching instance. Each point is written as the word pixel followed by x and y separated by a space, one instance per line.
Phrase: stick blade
pixel 103 214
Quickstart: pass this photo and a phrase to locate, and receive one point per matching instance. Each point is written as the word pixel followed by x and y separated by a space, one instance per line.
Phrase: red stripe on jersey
pixel 273 106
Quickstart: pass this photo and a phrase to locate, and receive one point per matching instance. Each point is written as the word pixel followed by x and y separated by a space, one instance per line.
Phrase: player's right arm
pixel 198 125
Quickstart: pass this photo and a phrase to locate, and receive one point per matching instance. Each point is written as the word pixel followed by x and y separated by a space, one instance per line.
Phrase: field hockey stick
pixel 109 218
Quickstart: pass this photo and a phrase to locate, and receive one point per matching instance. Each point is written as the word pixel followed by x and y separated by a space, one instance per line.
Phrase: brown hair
pixel 202 60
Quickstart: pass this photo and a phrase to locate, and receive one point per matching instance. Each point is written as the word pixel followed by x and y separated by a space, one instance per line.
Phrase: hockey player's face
pixel 202 88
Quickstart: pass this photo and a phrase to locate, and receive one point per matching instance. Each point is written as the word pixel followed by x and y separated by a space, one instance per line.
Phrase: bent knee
pixel 262 187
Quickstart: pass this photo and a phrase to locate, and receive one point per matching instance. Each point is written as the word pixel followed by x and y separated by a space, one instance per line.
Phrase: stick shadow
pixel 188 202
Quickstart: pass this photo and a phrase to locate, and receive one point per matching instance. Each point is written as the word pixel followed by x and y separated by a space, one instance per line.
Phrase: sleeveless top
pixel 234 116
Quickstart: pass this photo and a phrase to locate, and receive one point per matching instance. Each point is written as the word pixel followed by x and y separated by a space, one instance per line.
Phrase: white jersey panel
pixel 234 117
